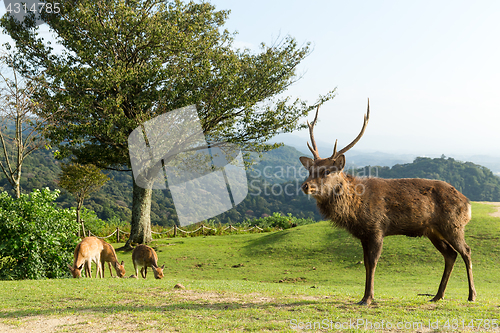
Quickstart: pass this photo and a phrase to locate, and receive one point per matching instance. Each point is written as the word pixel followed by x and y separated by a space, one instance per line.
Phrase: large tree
pixel 124 62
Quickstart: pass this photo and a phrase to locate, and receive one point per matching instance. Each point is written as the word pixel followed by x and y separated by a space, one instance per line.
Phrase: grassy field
pixel 306 278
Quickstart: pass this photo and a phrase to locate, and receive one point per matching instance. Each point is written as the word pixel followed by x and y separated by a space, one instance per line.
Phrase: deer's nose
pixel 305 187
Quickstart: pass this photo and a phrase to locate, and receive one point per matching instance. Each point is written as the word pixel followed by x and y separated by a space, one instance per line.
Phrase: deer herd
pixel 368 208
pixel 93 249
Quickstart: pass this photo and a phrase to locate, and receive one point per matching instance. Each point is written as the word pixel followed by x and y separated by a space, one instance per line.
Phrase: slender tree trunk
pixel 17 187
pixel 140 231
pixel 78 218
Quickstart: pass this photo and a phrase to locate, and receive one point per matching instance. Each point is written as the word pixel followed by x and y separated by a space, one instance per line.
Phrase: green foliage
pixel 81 180
pixel 279 221
pixel 36 238
pixel 110 88
pixel 93 223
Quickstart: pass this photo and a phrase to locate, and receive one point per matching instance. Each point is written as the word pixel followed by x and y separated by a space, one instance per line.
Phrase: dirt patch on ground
pixel 77 323
pixel 217 298
pixel 42 324
pixel 494 204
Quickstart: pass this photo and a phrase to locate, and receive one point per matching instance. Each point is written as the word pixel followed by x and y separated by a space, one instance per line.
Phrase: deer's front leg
pixel 372 248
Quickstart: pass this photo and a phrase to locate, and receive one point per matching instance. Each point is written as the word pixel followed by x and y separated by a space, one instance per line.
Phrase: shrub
pixel 37 240
pixel 279 221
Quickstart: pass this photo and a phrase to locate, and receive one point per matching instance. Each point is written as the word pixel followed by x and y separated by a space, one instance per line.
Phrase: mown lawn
pixel 308 278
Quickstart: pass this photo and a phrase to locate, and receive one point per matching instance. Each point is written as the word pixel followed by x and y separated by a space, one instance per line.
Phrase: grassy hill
pixel 278 281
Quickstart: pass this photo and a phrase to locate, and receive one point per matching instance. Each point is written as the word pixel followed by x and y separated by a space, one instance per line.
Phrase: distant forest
pixel 273 184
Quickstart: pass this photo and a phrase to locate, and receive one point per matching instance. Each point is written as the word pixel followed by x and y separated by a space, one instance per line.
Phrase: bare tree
pixel 20 128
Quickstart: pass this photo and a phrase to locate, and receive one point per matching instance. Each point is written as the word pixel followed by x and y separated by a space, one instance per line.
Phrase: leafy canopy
pixel 125 62
pixel 81 180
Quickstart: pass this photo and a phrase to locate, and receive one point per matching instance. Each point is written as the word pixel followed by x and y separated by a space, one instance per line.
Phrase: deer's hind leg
pixel 450 255
pixel 459 244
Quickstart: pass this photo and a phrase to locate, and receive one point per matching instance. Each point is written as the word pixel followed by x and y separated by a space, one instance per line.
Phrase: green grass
pixel 276 281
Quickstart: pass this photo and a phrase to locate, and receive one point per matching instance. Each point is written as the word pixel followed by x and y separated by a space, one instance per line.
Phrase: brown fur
pixel 88 250
pixel 108 255
pixel 372 208
pixel 145 256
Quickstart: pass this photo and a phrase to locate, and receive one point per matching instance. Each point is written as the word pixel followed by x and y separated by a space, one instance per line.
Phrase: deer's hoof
pixel 364 302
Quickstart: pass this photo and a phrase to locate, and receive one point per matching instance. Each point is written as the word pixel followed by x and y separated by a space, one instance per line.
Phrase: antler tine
pixel 335 148
pixel 349 146
pixel 314 149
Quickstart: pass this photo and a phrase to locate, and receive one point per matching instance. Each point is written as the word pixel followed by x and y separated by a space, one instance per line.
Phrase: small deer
pixel 145 256
pixel 108 255
pixel 372 208
pixel 88 250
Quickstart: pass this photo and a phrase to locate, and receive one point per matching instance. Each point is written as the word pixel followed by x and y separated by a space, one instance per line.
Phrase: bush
pixel 37 240
pixel 279 221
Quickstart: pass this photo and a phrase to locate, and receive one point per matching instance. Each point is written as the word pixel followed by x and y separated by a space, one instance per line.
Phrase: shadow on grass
pixel 325 242
pixel 195 307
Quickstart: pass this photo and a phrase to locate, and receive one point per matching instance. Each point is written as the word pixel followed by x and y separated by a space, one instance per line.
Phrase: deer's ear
pixel 306 162
pixel 339 162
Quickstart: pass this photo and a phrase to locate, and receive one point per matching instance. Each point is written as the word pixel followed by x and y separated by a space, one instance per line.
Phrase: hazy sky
pixel 430 68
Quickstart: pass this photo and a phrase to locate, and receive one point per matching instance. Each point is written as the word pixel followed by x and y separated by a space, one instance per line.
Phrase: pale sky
pixel 430 68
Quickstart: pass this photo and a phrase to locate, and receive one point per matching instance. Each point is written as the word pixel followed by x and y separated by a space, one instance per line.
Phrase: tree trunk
pixel 78 219
pixel 140 231
pixel 17 186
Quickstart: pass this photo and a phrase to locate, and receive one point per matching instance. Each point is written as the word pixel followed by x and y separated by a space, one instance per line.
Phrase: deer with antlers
pixel 372 208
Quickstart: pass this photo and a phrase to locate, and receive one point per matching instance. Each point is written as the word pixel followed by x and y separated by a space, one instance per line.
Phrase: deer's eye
pixel 327 172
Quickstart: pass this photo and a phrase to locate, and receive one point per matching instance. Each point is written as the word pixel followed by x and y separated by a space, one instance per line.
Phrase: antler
pixel 314 149
pixel 349 146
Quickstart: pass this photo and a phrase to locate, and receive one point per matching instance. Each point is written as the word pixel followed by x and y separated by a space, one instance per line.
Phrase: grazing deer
pixel 108 255
pixel 88 250
pixel 144 256
pixel 372 208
